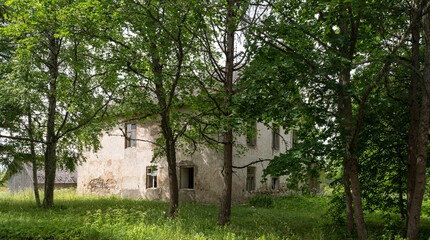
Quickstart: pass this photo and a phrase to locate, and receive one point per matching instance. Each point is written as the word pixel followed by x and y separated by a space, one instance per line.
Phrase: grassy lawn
pixel 73 217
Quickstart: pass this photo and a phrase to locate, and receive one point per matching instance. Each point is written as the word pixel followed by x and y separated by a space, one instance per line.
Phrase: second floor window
pixel 251 134
pixel 275 139
pixel 130 140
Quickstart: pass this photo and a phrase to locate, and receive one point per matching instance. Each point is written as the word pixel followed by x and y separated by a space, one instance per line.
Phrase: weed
pixel 261 201
pixel 73 217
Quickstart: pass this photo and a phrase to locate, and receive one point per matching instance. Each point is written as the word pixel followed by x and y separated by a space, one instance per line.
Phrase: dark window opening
pixel 187 177
pixel 275 183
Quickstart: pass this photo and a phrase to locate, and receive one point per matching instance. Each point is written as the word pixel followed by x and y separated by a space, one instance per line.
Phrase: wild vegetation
pixel 350 77
pixel 90 217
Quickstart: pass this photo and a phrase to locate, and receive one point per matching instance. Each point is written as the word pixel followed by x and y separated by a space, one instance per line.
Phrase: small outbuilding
pixel 24 179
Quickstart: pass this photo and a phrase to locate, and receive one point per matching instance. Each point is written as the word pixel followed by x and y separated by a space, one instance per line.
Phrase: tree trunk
pixel 356 197
pixel 348 197
pixel 173 179
pixel 33 161
pixel 350 162
pixel 413 110
pixel 51 138
pixel 35 183
pixel 401 204
pixel 167 134
pixel 349 28
pixel 422 143
pixel 50 170
pixel 345 113
pixel 225 208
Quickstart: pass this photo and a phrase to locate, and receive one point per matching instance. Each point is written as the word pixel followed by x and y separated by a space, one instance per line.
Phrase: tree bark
pixel 225 208
pixel 413 110
pixel 173 179
pixel 33 160
pixel 167 134
pixel 350 179
pixel 348 197
pixel 51 138
pixel 356 197
pixel 349 27
pixel 422 142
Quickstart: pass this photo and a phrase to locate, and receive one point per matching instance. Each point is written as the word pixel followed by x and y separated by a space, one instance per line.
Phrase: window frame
pixel 294 137
pixel 276 138
pixel 250 184
pixel 274 186
pixel 151 177
pixel 251 134
pixel 130 140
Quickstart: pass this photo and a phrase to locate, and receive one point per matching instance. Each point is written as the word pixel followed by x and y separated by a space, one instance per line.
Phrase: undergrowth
pixel 90 217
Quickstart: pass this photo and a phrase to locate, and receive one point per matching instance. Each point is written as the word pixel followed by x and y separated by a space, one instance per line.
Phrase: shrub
pixel 426 208
pixel 261 201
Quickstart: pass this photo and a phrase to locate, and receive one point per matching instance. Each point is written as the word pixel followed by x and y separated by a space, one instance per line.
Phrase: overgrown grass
pixel 2 173
pixel 73 217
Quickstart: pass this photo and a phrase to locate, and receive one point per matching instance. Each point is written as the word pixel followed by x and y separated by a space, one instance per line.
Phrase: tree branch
pixel 253 162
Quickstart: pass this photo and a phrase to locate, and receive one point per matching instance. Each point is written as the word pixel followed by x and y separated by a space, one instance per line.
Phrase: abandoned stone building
pixel 123 167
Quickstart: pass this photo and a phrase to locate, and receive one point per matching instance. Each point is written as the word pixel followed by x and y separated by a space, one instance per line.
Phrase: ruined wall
pixel 262 150
pixel 116 170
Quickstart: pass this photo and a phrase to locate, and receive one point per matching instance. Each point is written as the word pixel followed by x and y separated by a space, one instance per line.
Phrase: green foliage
pixel 291 217
pixel 301 163
pixel 425 211
pixel 336 210
pixel 297 53
pixel 51 59
pixel 2 175
pixel 263 200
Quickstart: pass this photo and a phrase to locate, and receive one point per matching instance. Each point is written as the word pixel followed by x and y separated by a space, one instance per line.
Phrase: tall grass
pixel 90 217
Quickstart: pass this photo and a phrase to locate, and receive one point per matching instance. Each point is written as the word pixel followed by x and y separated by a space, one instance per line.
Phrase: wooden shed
pixel 24 179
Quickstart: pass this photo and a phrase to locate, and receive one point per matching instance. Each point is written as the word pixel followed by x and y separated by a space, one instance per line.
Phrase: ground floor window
pixel 151 177
pixel 275 183
pixel 187 177
pixel 250 179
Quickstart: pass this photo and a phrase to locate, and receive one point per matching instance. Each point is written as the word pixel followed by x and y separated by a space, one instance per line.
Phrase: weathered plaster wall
pixel 262 150
pixel 116 170
pixel 120 171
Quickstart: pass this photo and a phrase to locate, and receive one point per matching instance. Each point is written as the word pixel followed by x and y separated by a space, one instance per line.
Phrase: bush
pixel 426 208
pixel 265 201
